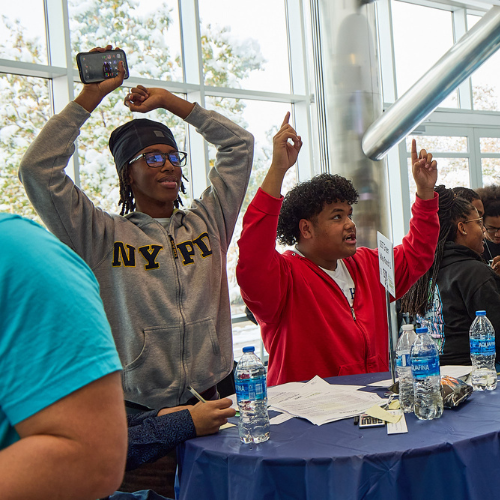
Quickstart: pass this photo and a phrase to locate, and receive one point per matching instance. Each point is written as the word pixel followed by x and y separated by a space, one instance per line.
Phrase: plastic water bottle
pixel 424 355
pixel 251 394
pixel 482 353
pixel 403 367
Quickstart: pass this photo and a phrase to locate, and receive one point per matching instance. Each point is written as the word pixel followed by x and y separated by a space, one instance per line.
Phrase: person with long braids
pixel 458 284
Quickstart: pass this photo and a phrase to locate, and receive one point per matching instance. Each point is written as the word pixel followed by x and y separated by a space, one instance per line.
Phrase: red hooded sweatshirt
pixel 307 325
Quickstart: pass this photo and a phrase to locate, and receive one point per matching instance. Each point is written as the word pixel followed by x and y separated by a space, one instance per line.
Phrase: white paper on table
pixel 279 419
pixel 320 402
pixel 278 393
pixel 398 427
pixel 233 400
pixel 381 383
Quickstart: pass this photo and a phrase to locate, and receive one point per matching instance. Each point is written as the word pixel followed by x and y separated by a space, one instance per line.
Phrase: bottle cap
pixel 480 313
pixel 407 328
pixel 249 348
pixel 422 329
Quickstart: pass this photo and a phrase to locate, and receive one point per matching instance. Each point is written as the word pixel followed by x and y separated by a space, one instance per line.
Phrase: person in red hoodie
pixel 321 307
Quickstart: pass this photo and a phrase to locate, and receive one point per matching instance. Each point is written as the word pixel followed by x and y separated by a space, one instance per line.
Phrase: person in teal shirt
pixel 63 431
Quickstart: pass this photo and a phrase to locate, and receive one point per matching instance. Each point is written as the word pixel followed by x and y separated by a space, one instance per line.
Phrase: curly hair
pixel 490 196
pixel 307 199
pixel 452 210
pixel 127 200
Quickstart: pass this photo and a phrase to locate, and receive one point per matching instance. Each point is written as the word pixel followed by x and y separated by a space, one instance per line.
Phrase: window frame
pixel 63 77
pixel 461 121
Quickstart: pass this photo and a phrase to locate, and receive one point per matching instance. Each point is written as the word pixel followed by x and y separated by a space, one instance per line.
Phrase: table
pixel 455 457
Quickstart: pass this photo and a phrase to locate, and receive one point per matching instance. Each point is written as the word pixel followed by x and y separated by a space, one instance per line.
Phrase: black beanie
pixel 127 140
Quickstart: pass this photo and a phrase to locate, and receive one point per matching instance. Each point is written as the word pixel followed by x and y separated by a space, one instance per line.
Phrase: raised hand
pixel 284 156
pixel 140 99
pixel 93 93
pixel 208 417
pixel 284 153
pixel 424 170
pixel 495 265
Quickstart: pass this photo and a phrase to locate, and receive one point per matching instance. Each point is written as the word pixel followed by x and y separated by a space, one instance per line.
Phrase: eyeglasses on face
pixel 492 230
pixel 157 160
pixel 479 221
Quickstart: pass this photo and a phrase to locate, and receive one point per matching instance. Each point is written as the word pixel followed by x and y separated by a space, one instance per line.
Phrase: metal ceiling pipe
pixel 352 92
pixel 474 48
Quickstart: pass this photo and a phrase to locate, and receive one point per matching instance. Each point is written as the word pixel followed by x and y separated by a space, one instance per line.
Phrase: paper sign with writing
pixel 386 263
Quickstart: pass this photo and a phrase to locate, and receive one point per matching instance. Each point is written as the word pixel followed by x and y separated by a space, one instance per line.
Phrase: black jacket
pixel 464 285
pixel 491 250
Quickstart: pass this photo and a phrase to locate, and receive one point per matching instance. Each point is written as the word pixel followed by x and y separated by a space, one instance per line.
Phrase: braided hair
pixel 466 193
pixel 307 199
pixel 452 210
pixel 127 199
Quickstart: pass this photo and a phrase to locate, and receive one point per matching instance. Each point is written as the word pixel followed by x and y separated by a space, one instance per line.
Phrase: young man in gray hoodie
pixel 161 269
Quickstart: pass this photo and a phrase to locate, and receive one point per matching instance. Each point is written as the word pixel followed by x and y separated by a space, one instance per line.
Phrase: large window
pixel 250 67
pixel 462 133
pixel 416 54
pixel 205 51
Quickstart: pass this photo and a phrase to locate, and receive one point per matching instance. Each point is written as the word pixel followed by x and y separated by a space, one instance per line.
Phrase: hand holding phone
pixel 103 80
pixel 97 66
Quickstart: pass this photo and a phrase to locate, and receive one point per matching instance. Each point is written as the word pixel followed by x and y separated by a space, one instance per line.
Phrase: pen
pixel 195 394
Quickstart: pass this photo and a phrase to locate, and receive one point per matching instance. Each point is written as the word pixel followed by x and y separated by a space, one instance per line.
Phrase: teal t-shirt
pixel 54 335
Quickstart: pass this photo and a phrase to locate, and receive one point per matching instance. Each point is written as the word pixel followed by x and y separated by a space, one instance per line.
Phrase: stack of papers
pixel 319 402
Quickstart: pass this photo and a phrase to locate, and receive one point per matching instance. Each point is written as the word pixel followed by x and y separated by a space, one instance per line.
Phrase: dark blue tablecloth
pixel 455 457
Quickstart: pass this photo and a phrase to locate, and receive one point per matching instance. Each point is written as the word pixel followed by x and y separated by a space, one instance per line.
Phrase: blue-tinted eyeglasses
pixel 156 160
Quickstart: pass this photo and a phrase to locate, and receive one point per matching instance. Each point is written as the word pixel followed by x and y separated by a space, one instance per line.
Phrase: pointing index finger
pixel 414 156
pixel 287 118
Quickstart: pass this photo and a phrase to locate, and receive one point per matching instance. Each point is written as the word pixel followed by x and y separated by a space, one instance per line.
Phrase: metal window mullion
pixel 192 66
pixel 319 87
pixel 459 21
pixel 398 192
pixel 387 54
pixel 476 166
pixel 489 155
pixel 299 84
pixel 59 54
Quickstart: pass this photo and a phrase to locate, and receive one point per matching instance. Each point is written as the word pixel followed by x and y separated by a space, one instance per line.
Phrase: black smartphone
pixel 96 67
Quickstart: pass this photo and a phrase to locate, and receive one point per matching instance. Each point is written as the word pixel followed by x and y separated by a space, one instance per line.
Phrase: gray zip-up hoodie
pixel 165 292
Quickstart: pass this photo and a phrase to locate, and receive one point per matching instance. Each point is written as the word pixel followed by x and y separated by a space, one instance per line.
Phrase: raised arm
pixel 220 204
pixel 284 157
pixel 424 170
pixel 93 93
pixel 142 99
pixel 416 253
pixel 64 208
pixel 262 272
